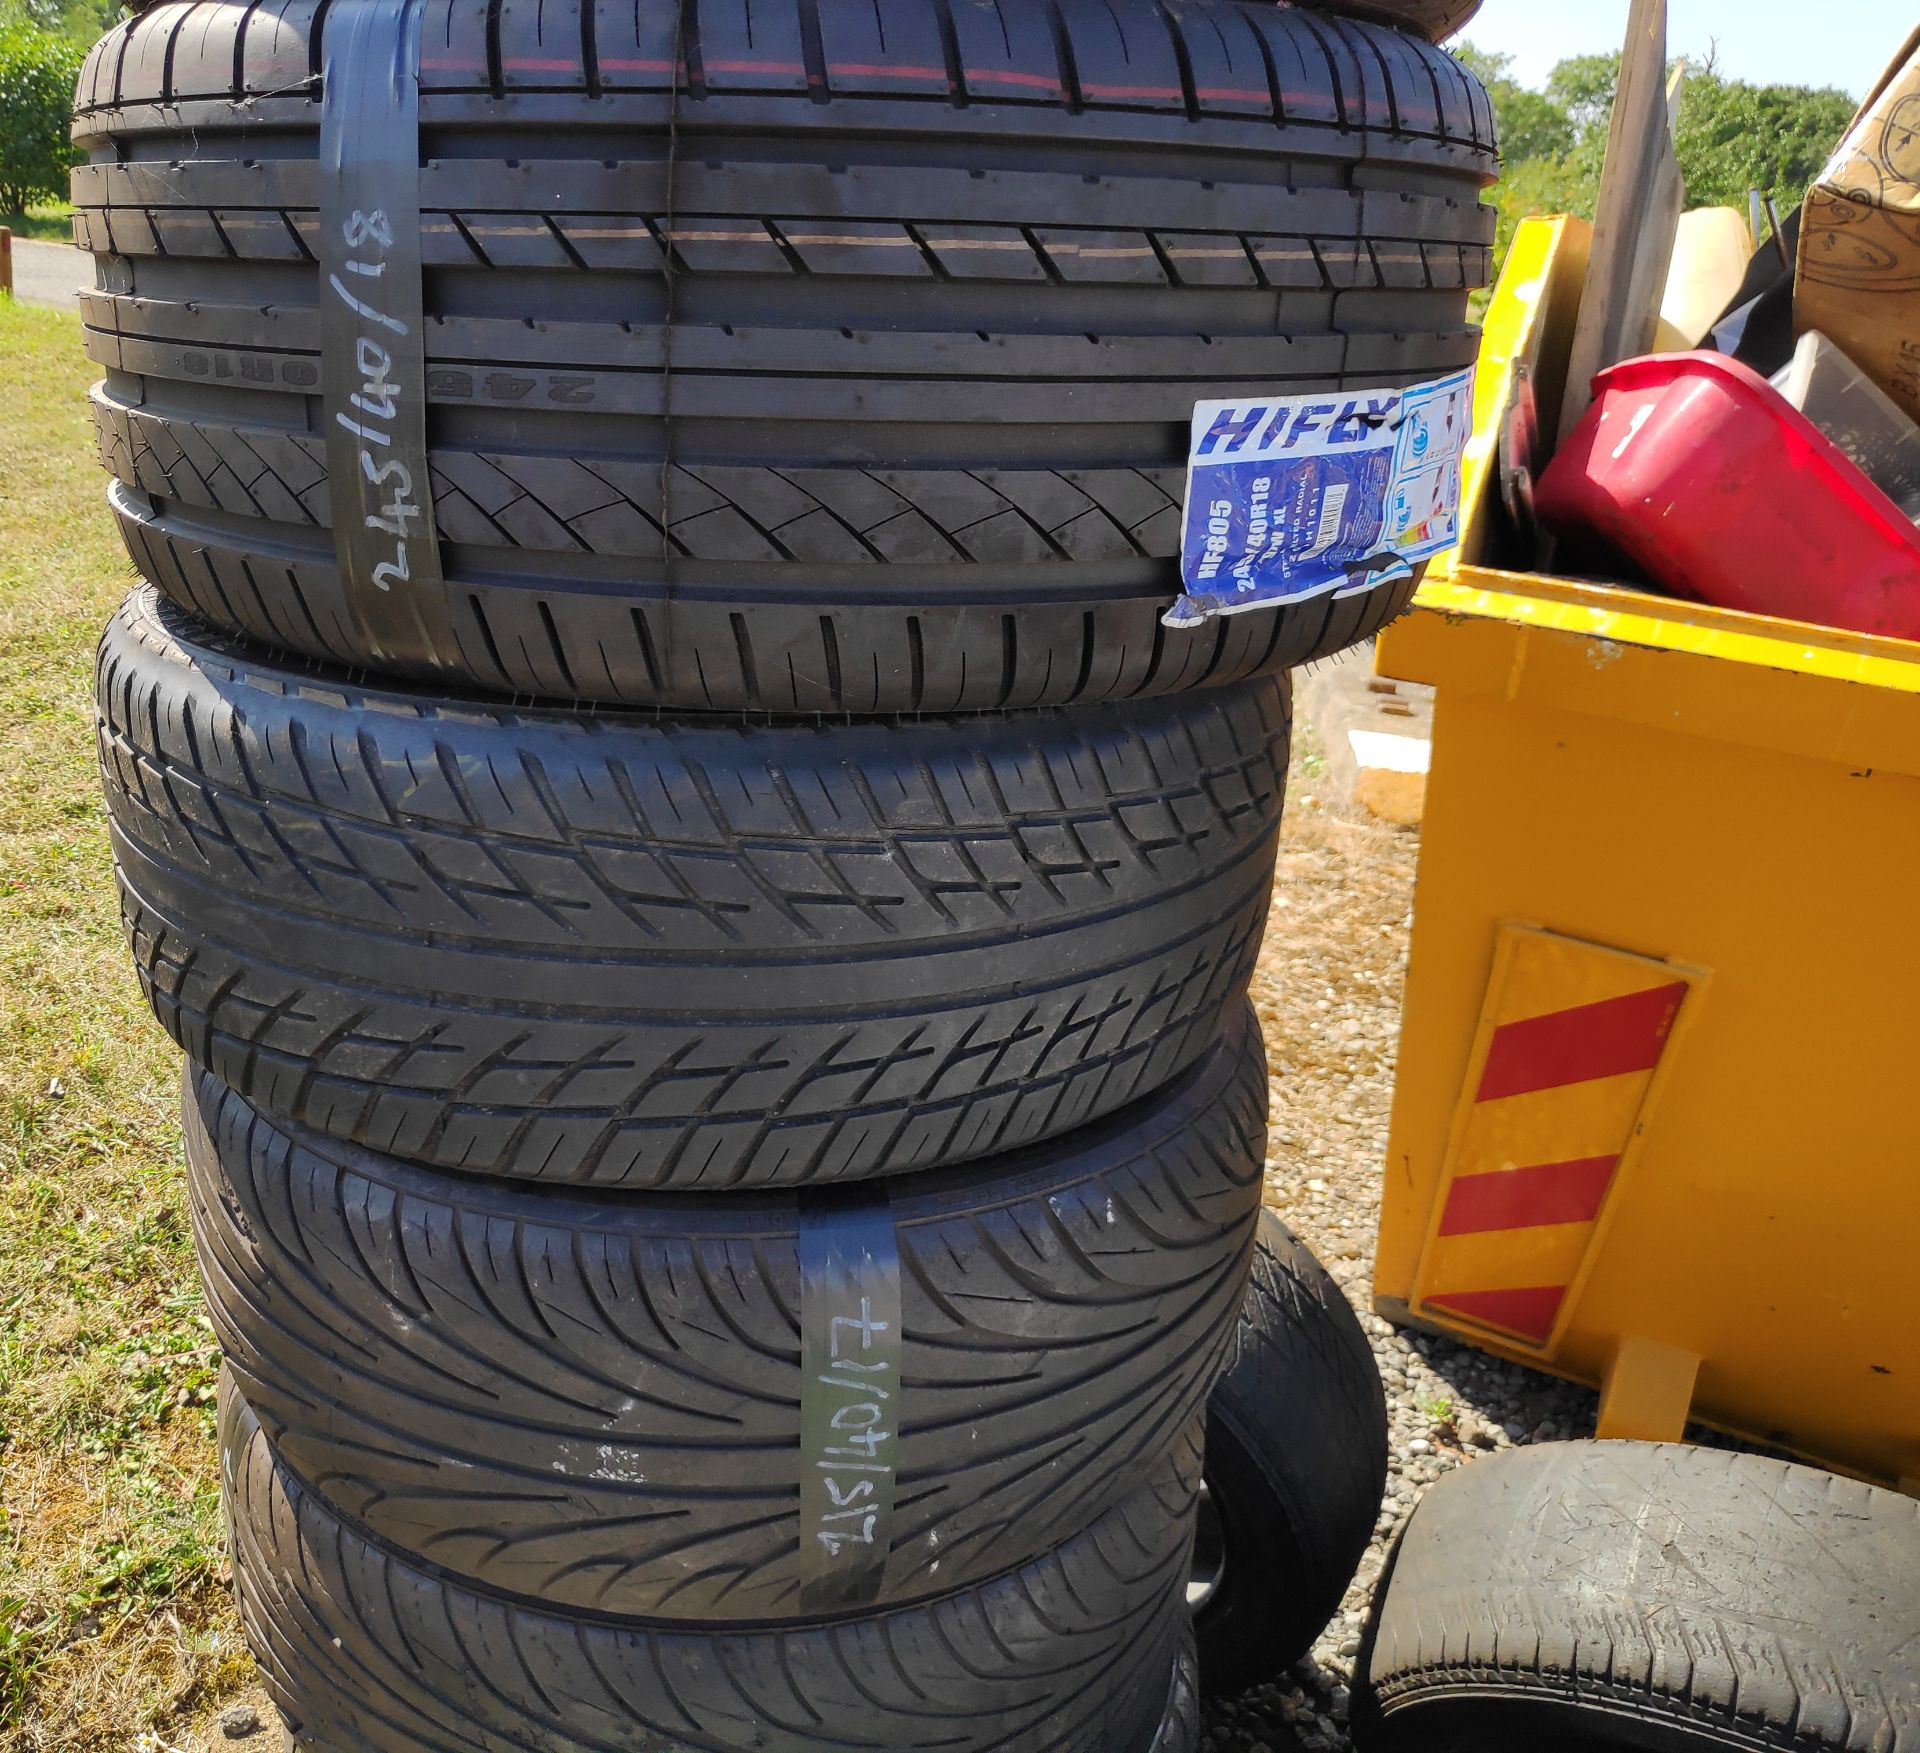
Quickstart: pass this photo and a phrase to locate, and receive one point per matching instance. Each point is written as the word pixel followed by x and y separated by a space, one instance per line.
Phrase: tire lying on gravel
pixel 367 1650
pixel 1646 1595
pixel 1296 1466
pixel 944 293
pixel 697 954
pixel 595 1401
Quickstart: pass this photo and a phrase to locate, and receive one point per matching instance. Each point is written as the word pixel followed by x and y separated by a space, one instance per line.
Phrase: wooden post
pixel 6 262
pixel 1641 196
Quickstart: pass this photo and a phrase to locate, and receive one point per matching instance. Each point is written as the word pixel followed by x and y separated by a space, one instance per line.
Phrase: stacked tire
pixel 805 859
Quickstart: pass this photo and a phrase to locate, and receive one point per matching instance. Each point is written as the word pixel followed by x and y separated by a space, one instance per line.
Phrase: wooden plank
pixel 1641 194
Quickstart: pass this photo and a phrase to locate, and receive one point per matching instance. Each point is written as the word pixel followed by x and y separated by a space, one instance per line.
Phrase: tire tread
pixel 1696 1597
pixel 677 954
pixel 818 509
pixel 367 1651
pixel 596 1403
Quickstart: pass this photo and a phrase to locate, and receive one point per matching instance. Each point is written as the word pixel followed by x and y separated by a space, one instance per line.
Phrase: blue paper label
pixel 1297 496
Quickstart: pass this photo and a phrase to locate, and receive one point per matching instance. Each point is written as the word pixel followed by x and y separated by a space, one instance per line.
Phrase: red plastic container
pixel 1708 479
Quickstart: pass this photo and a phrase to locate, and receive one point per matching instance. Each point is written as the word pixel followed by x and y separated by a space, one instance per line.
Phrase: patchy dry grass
pixel 113 1621
pixel 1328 990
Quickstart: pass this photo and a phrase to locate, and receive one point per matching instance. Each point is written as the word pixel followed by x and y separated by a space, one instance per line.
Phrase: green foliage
pixel 1544 171
pixel 1774 138
pixel 1733 137
pixel 113 1619
pixel 37 71
pixel 49 222
pixel 87 19
pixel 1542 185
pixel 1583 86
pixel 82 20
pixel 1532 125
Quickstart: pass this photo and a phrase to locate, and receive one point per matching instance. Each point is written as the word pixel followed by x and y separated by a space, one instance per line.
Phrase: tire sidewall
pixel 1515 1716
pixel 1248 1616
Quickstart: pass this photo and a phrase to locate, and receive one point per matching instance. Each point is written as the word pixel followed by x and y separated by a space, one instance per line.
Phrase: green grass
pixel 50 222
pixel 113 1619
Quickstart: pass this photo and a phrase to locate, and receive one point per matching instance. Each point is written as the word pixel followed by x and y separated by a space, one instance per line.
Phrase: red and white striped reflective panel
pixel 1571 1037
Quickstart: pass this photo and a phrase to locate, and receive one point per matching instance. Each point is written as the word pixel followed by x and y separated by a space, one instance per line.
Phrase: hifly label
pixel 1298 496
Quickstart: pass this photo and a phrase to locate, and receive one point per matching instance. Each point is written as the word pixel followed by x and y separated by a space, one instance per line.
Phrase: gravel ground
pixel 1328 991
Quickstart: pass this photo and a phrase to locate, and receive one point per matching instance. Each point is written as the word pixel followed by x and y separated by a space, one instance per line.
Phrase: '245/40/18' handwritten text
pixel 378 400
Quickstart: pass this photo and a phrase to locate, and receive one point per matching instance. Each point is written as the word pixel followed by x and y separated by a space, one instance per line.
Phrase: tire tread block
pixel 367 1651
pixel 686 954
pixel 1138 250
pixel 597 1404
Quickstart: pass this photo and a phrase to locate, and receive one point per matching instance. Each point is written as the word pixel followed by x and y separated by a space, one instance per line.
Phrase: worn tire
pixel 367 1650
pixel 1296 1465
pixel 595 1401
pixel 699 954
pixel 944 296
pixel 1600 1595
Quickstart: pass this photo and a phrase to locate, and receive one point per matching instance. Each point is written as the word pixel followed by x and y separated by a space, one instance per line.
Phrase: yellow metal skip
pixel 1657 1125
pixel 1736 802
pixel 1528 335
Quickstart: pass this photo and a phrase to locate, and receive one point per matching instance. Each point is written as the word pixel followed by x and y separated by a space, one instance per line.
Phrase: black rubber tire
pixel 1601 1595
pixel 1433 19
pixel 594 1401
pixel 366 1650
pixel 1296 1466
pixel 945 293
pixel 703 955
pixel 1180 1728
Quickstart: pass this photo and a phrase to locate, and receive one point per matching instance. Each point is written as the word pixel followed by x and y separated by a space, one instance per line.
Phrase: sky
pixel 1765 42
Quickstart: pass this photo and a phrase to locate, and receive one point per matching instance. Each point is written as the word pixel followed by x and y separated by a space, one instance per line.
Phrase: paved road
pixel 47 273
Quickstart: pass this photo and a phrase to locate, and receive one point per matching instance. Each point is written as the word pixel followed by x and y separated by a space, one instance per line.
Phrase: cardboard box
pixel 1859 280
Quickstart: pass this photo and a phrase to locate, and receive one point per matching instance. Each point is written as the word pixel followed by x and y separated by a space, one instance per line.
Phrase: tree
pixel 1774 138
pixel 1542 168
pixel 1732 136
pixel 81 19
pixel 1583 86
pixel 1532 125
pixel 37 72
